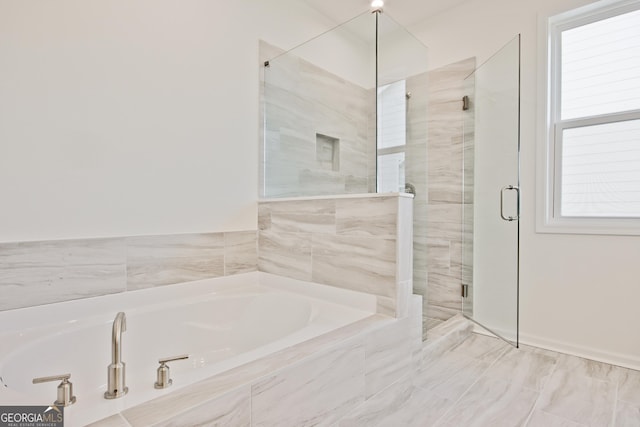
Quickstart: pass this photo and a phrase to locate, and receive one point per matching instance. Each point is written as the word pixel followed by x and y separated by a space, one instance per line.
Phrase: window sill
pixel 596 226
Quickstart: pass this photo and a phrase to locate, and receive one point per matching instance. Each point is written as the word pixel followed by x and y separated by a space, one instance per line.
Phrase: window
pixel 392 139
pixel 592 121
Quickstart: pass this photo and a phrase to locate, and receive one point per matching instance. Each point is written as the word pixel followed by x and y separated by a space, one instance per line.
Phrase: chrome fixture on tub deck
pixel 116 386
pixel 65 388
pixel 163 379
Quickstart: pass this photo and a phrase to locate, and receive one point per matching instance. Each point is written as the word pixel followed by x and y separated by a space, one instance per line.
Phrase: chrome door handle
pixel 510 218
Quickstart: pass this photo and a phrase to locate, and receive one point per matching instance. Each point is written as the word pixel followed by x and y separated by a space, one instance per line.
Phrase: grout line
pixel 384 390
pixel 546 383
pixel 224 253
pixel 615 402
pixel 123 419
pixel 250 404
pixel 568 420
pixel 533 409
pixel 455 404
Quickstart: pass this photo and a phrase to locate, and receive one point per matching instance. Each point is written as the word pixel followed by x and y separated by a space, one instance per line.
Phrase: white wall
pixel 123 117
pixel 578 293
pixel 346 51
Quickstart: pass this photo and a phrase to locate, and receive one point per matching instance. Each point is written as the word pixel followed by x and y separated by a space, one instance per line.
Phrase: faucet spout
pixel 116 386
pixel 119 326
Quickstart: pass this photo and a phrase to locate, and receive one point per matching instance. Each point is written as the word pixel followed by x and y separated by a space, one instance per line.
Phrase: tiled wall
pixel 361 243
pixel 469 135
pixel 303 100
pixel 35 273
pixel 447 86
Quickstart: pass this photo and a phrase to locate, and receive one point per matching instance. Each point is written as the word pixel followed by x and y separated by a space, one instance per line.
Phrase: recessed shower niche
pixel 328 152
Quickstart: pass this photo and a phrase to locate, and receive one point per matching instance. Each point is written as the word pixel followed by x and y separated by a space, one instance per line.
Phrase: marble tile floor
pixel 484 382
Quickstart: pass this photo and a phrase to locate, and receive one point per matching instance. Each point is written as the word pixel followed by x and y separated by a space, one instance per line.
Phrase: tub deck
pixel 236 329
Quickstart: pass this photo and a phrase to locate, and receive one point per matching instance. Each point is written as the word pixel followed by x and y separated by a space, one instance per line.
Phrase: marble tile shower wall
pixel 445 190
pixel 469 124
pixel 35 273
pixel 316 129
pixel 359 243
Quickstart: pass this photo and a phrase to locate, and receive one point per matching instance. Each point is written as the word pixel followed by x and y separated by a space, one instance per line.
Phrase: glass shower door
pixel 491 205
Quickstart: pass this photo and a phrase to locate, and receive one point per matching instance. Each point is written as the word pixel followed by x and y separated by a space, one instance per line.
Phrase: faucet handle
pixel 163 379
pixel 174 358
pixel 65 388
pixel 62 377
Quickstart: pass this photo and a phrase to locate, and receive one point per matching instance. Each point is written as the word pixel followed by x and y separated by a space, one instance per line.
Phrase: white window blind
pixel 601 170
pixel 391 173
pixel 392 115
pixel 601 67
pixel 392 136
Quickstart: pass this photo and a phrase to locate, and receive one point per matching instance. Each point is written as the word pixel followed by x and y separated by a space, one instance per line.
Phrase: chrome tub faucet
pixel 116 386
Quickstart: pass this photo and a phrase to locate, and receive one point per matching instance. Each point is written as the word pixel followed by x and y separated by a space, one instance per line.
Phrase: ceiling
pixel 405 12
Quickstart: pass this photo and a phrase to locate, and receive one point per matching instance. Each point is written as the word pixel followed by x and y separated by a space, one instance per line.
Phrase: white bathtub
pixel 221 323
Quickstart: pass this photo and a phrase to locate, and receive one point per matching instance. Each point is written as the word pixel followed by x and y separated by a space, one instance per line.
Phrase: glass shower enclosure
pixel 339 110
pixel 491 193
pixel 346 113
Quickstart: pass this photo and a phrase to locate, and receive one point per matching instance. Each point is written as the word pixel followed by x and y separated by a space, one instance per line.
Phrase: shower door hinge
pixel 465 103
pixel 465 291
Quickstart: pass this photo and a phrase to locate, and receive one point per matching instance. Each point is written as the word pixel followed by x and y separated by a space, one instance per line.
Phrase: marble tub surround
pixel 317 382
pixel 358 242
pixel 36 273
pixel 164 260
pixel 113 421
pixel 240 252
pixel 446 127
pixel 382 408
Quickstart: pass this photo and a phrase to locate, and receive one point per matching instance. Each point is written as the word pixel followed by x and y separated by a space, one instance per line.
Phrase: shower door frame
pixel 507 186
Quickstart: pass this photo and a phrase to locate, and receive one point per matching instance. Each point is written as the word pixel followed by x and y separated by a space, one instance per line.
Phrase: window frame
pixel 393 149
pixel 551 126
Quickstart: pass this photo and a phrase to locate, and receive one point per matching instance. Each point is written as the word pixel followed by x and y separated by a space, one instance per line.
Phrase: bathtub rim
pixel 70 311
